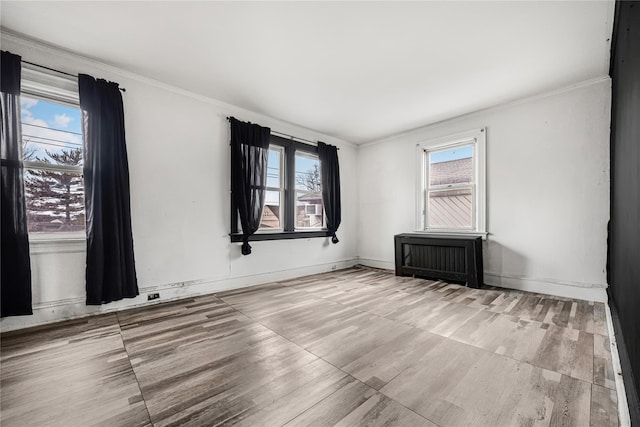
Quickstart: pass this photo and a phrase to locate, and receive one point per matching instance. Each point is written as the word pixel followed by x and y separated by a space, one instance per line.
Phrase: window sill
pixel 462 233
pixel 50 243
pixel 62 237
pixel 284 235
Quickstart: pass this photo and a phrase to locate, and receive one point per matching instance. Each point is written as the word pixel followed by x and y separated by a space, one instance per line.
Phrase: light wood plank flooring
pixel 353 347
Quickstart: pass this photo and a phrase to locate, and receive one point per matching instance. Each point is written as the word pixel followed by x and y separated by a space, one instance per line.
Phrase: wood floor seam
pixel 319 357
pixel 445 336
pixel 354 347
pixel 453 336
pixel 275 332
pixel 124 345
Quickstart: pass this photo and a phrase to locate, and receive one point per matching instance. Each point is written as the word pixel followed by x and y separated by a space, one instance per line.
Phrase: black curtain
pixel 330 177
pixel 16 265
pixel 249 150
pixel 111 272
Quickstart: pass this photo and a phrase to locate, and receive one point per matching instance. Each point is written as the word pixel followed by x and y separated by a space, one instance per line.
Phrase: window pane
pixel 450 209
pixel 271 211
pixel 55 201
pixel 309 208
pixel 274 174
pixel 51 132
pixel 452 166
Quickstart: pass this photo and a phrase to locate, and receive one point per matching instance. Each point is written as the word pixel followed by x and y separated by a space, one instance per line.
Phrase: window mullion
pixel 289 190
pixel 450 187
pixel 52 167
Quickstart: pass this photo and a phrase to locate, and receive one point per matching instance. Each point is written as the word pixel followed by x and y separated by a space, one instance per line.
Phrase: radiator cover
pixel 452 258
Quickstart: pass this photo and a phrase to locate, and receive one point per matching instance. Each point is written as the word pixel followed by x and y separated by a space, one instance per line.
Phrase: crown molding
pixel 225 108
pixel 490 109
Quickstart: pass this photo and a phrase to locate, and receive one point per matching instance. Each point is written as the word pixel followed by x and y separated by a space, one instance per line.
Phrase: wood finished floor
pixel 357 347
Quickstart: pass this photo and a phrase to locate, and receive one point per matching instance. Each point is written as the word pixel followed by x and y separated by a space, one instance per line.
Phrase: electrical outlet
pixel 153 296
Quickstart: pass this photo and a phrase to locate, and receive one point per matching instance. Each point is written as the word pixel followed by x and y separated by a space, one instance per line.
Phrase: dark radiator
pixel 453 258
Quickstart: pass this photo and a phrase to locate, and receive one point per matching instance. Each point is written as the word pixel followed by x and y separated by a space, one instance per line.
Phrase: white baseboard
pixel 624 419
pixel 74 308
pixel 577 290
pixel 55 311
pixel 376 263
pixel 583 291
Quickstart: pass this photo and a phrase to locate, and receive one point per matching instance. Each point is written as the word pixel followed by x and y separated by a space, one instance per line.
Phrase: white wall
pixel 547 196
pixel 547 191
pixel 178 148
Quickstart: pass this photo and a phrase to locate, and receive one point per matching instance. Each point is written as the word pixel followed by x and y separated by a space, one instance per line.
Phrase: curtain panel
pixel 15 287
pixel 110 272
pixel 330 178
pixel 249 151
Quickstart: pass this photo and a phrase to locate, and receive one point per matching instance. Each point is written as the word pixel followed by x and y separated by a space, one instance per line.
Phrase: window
pixel 452 183
pixel 274 195
pixel 293 206
pixel 309 208
pixel 52 153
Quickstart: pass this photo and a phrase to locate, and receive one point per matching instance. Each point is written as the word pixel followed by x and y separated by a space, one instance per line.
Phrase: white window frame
pixel 50 86
pixel 279 189
pixel 475 138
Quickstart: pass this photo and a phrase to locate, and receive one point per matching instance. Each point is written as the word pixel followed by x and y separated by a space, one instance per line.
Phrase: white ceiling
pixel 359 71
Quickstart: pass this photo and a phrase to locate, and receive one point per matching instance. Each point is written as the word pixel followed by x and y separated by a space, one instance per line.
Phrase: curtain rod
pixel 58 71
pixel 287 135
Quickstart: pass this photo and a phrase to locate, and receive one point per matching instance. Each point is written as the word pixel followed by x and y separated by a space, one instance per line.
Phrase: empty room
pixel 320 213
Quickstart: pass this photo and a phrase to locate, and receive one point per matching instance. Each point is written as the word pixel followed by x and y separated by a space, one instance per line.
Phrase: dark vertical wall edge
pixel 624 228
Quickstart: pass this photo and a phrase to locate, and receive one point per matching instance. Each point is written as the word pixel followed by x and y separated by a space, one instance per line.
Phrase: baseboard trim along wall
pixel 376 263
pixel 624 418
pixel 74 308
pixel 583 291
pixel 577 290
